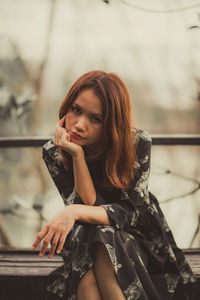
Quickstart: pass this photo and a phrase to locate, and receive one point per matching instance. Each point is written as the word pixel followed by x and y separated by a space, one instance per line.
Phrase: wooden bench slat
pixel 29 263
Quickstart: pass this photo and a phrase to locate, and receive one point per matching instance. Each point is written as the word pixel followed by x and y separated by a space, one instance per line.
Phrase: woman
pixel 112 235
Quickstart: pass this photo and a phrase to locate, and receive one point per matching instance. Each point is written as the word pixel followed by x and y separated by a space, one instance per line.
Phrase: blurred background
pixel 154 46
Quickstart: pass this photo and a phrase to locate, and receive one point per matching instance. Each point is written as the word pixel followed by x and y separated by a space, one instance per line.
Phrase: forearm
pixel 89 214
pixel 82 180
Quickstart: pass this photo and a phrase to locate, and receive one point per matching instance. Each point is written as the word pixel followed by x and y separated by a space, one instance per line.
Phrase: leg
pixel 87 289
pixel 105 276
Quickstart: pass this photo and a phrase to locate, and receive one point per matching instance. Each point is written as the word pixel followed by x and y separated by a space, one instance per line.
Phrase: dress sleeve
pixel 125 212
pixel 63 179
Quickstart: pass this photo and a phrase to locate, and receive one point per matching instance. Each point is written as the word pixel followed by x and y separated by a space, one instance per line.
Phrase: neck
pixel 91 152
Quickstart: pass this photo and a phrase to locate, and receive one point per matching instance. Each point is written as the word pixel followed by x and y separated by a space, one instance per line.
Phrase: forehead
pixel 89 101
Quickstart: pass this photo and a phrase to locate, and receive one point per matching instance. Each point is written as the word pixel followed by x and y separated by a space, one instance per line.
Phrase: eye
pixel 76 109
pixel 96 120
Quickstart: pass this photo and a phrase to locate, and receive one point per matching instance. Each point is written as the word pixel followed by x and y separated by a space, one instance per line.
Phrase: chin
pixel 79 143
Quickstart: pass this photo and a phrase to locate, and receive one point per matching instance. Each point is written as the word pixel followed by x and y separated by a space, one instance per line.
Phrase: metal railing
pixel 157 139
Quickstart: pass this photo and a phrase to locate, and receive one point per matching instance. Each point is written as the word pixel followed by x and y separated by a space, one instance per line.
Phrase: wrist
pixel 75 211
pixel 78 155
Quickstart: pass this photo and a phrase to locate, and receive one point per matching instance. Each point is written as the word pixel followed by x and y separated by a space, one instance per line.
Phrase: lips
pixel 76 135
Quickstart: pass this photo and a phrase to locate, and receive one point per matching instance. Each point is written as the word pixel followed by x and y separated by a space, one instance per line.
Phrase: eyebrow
pixel 91 113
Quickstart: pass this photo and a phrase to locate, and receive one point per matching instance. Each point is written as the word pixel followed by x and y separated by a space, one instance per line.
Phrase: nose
pixel 81 124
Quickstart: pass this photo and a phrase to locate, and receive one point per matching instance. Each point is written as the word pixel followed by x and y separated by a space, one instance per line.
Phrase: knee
pixel 87 283
pixel 103 262
pixel 83 290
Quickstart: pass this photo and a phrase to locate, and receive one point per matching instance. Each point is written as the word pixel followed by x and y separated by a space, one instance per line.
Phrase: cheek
pixel 69 120
pixel 98 133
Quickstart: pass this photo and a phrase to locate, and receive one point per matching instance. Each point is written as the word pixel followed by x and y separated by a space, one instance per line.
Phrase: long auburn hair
pixel 117 147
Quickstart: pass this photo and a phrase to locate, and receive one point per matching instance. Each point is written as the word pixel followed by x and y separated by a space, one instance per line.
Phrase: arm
pixel 125 213
pixel 82 179
pixel 90 214
pixel 63 179
pixel 59 227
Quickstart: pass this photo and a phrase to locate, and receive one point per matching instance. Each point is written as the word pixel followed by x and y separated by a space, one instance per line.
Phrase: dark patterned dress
pixel 146 259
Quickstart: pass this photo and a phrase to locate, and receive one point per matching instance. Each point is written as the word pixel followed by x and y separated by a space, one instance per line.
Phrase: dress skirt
pixel 140 274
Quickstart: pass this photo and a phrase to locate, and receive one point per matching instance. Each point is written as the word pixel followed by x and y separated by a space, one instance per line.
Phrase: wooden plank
pixel 24 275
pixel 29 263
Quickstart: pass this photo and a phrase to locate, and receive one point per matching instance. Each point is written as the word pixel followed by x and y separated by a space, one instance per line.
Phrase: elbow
pixel 88 199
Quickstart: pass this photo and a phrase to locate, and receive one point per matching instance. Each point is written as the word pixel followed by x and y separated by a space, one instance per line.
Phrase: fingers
pixel 57 236
pixel 60 134
pixel 54 245
pixel 45 234
pixel 46 242
pixel 39 237
pixel 60 137
pixel 61 122
pixel 62 241
pixel 55 232
pixel 65 137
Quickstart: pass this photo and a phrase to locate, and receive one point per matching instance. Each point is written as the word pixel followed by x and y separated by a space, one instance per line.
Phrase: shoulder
pixel 142 143
pixel 141 135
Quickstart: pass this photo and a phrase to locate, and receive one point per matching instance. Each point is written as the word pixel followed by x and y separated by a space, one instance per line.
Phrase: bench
pixel 23 274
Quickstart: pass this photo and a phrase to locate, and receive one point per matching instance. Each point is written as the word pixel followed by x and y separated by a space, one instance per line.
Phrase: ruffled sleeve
pixel 125 212
pixel 63 180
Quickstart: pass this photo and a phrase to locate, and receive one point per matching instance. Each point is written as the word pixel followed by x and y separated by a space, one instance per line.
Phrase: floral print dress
pixel 146 259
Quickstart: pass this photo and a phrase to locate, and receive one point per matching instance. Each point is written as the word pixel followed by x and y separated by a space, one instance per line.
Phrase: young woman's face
pixel 84 119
